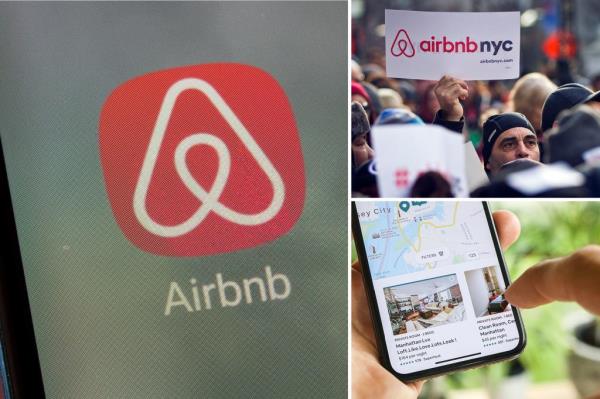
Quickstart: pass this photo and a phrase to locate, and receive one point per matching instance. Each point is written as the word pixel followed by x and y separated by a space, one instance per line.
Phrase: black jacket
pixel 440 119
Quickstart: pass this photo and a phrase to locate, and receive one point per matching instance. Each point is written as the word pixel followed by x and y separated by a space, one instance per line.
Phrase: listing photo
pixel 423 304
pixel 486 288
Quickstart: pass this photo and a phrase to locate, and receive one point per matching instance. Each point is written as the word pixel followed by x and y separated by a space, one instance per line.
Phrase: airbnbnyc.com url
pixel 492 61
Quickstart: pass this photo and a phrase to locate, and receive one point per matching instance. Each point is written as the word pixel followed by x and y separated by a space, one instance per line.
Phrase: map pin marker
pixel 404 206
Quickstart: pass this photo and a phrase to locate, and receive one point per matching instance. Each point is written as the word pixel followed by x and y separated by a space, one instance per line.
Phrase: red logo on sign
pixel 402 45
pixel 401 178
pixel 202 159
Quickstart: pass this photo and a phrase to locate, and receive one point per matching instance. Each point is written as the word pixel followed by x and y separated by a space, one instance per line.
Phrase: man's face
pixel 363 101
pixel 512 144
pixel 361 150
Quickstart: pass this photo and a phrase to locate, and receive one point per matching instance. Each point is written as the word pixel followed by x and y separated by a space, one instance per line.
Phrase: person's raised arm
pixel 449 91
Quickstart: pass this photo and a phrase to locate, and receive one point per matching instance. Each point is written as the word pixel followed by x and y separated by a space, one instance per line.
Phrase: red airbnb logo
pixel 202 159
pixel 402 45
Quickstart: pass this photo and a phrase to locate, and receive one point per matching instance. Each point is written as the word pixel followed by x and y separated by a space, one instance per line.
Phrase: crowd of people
pixel 534 139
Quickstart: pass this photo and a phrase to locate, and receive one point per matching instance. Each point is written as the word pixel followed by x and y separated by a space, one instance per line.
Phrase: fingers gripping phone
pixel 435 278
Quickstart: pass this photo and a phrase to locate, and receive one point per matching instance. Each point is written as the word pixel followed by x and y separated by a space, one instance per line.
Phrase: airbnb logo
pixel 402 45
pixel 201 160
pixel 209 199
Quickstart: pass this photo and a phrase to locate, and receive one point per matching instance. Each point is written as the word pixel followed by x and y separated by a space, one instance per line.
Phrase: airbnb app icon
pixel 202 159
pixel 402 45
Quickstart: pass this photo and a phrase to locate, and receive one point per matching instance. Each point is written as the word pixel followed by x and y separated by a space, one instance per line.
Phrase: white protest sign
pixel 466 45
pixel 404 152
pixel 476 176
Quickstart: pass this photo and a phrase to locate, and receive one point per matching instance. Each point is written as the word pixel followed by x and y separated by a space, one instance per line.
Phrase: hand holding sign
pixel 449 91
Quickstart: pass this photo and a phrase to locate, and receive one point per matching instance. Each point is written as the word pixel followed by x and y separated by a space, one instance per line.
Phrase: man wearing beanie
pixel 565 97
pixel 507 137
pixel 361 151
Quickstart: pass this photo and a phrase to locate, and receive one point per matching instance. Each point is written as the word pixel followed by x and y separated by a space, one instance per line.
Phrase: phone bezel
pixel 378 324
pixel 22 364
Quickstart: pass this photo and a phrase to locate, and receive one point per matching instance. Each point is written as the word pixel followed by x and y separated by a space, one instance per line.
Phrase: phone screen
pixel 438 279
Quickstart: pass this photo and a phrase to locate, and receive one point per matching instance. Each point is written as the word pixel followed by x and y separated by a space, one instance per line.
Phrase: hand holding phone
pixel 425 313
pixel 369 377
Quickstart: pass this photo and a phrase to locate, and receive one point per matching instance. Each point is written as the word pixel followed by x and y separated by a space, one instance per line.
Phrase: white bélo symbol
pixel 209 199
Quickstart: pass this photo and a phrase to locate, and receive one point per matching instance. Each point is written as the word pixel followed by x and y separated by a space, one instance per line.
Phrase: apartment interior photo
pixel 423 304
pixel 486 288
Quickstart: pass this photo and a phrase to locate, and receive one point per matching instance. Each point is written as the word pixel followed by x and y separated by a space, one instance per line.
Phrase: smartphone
pixel 435 278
